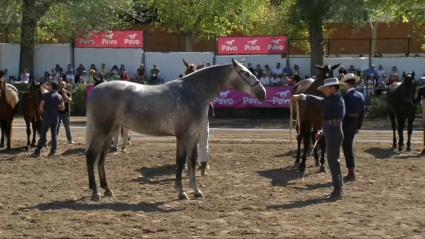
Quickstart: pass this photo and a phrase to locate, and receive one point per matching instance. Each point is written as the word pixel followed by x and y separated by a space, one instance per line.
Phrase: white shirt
pixel 278 70
pixel 265 81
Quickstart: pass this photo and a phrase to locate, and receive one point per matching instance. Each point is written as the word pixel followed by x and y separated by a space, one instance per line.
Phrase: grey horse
pixel 172 109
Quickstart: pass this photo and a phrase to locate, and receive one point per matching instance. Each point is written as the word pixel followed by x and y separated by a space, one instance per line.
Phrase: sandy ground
pixel 252 191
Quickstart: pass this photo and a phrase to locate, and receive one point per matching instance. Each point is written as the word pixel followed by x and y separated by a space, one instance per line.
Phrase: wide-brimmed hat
pixel 330 82
pixel 350 76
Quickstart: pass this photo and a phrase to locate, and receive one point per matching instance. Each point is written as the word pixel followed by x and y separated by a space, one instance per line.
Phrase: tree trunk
pixel 374 29
pixel 188 42
pixel 316 44
pixel 28 31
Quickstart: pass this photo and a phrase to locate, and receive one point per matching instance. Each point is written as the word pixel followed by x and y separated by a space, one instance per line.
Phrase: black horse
pixel 401 104
pixel 31 110
pixel 311 118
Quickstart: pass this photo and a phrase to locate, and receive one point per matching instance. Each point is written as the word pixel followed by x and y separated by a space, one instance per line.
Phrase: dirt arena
pixel 252 191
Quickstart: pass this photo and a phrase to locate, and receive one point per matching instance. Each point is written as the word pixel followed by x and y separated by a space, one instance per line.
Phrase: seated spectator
pixel 285 80
pixel 58 69
pixel 258 70
pixel 278 70
pixel 70 68
pixel 115 73
pixel 25 76
pixel 208 64
pixel 80 69
pixel 93 67
pixel 394 70
pixel 352 69
pixel 371 74
pixel 342 71
pixel 381 73
pixel 275 80
pixel 70 76
pixel 267 71
pixel 83 78
pixel 393 78
pixel 265 80
pixel 103 71
pixel 155 75
pixel 250 68
pixel 122 71
pixel 141 74
pixel 297 70
pixel 287 69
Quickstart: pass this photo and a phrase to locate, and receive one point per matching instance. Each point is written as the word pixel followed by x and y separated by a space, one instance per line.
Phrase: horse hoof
pixel 296 164
pixel 183 196
pixel 317 164
pixel 96 197
pixel 408 149
pixel 109 193
pixel 322 169
pixel 199 195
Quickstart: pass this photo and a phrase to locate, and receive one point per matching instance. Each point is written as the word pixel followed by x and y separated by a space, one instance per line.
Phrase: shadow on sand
pixel 281 177
pixel 300 204
pixel 381 153
pixel 156 175
pixel 77 151
pixel 117 207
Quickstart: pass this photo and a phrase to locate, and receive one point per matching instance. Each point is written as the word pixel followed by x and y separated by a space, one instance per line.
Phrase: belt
pixel 354 115
pixel 332 122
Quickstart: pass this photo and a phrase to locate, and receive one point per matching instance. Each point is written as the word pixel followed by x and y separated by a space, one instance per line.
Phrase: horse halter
pixel 251 84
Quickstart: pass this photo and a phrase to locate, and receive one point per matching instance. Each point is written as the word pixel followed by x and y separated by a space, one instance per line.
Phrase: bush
pixel 78 106
pixel 377 107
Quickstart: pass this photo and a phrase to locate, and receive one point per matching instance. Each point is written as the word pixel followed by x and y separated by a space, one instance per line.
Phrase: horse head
pixel 409 87
pixel 247 82
pixel 35 91
pixel 190 68
pixel 326 71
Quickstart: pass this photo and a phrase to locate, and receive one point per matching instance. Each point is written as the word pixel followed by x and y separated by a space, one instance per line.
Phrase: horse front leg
pixel 306 141
pixel 180 161
pixel 9 134
pixel 192 158
pixel 393 127
pixel 315 149
pixel 3 129
pixel 401 122
pixel 91 156
pixel 28 126
pixel 322 154
pixel 409 131
pixel 35 131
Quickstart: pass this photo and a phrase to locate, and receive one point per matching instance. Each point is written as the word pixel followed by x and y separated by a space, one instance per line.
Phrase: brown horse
pixel 191 67
pixel 310 119
pixel 30 106
pixel 7 113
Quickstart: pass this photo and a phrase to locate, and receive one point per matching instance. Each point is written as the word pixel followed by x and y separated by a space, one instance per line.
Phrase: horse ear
pixel 404 74
pixel 185 63
pixel 413 75
pixel 235 63
pixel 335 66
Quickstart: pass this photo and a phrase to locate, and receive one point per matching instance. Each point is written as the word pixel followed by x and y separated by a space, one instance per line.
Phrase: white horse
pixel 176 108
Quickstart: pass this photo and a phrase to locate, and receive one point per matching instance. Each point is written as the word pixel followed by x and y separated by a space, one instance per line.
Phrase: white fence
pixel 171 65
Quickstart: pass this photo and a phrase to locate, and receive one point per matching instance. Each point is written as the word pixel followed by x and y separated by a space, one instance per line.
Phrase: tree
pixel 56 20
pixel 204 17
pixel 9 15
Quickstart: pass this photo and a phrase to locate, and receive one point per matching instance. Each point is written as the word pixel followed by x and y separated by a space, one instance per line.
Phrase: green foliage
pixel 378 107
pixel 78 106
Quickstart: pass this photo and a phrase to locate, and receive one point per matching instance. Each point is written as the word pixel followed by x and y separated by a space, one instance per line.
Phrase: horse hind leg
pixel 9 134
pixel 180 161
pixel 306 141
pixel 322 155
pixel 3 129
pixel 409 132
pixel 92 155
pixel 393 127
pixel 316 149
pixel 28 127
pixel 298 156
pixel 401 122
pixel 102 172
pixel 35 131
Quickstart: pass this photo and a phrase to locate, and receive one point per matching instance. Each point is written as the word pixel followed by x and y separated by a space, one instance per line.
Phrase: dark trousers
pixel 349 127
pixel 333 139
pixel 64 117
pixel 45 126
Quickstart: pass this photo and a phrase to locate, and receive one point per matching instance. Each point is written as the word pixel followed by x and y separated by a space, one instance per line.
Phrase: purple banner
pixel 277 97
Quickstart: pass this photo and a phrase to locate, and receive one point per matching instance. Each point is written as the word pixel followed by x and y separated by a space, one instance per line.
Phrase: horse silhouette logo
pixel 109 35
pixel 230 42
pixel 276 41
pixel 283 94
pixel 132 36
pixel 225 94
pixel 252 42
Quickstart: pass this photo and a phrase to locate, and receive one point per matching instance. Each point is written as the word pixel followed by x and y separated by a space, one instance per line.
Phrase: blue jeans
pixel 64 117
pixel 45 126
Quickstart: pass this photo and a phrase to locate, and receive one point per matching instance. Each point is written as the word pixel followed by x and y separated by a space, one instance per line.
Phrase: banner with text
pixel 252 45
pixel 112 39
pixel 277 97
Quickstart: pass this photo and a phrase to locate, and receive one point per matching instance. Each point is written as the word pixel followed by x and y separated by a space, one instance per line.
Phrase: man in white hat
pixel 333 114
pixel 354 114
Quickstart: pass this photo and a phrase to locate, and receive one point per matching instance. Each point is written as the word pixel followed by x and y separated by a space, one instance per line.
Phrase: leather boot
pixel 351 176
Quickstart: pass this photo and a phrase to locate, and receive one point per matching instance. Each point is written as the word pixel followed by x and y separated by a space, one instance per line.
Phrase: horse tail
pixel 290 121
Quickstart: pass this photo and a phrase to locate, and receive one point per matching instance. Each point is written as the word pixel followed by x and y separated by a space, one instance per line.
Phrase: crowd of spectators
pixel 277 76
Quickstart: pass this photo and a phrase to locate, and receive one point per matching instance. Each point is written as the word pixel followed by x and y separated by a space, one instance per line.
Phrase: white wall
pixel 407 64
pixel 171 63
pixel 361 63
pixel 131 58
pixel 46 56
pixel 9 58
